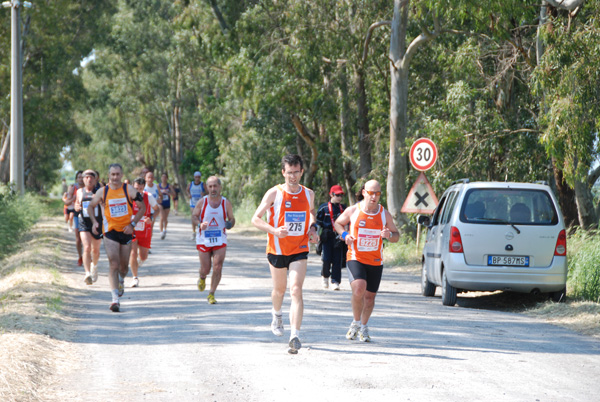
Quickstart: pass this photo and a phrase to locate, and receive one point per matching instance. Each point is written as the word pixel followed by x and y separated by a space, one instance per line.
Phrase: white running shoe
pixel 94 271
pixel 135 283
pixel 352 331
pixel 336 286
pixel 163 235
pixel 277 325
pixel 88 279
pixel 363 334
pixel 325 282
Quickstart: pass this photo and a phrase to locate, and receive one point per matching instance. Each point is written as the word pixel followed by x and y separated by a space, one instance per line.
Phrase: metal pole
pixel 16 103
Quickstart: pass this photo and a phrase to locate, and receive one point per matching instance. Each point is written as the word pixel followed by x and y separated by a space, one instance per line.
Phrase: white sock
pixel 276 312
pixel 115 295
pixel 356 322
pixel 294 333
pixel 362 327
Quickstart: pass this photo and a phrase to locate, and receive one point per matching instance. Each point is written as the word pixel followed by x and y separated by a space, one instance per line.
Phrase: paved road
pixel 170 344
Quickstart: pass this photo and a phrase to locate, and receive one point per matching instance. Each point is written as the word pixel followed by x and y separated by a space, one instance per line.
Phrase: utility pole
pixel 17 155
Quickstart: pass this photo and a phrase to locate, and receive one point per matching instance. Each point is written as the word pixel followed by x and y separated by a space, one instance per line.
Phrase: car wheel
pixel 448 291
pixel 427 288
pixel 559 296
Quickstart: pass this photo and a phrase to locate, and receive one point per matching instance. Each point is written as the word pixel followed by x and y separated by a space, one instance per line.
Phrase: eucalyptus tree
pixel 567 77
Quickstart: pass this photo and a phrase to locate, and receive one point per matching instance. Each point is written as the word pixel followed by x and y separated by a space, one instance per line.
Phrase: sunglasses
pixel 337 195
pixel 376 193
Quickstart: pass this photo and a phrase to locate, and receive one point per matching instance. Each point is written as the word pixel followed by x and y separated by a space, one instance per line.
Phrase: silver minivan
pixel 488 236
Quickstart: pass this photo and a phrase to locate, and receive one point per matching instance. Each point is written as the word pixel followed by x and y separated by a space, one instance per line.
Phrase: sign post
pixel 421 198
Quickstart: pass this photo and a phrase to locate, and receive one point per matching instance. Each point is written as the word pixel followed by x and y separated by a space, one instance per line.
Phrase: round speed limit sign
pixel 423 154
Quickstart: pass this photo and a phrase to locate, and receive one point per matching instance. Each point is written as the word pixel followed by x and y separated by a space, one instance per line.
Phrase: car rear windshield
pixel 502 206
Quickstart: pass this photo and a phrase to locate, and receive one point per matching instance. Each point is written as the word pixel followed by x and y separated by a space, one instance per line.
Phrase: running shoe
pixel 80 262
pixel 211 299
pixel 325 283
pixel 163 235
pixel 94 273
pixel 363 334
pixel 201 284
pixel 294 345
pixel 277 325
pixel 88 279
pixel 121 286
pixel 115 307
pixel 352 331
pixel 135 283
pixel 336 286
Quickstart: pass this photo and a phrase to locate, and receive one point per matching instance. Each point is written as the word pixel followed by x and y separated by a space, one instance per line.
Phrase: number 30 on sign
pixel 423 154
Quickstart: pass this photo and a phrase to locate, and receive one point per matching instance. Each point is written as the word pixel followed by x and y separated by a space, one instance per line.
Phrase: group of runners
pixel 290 226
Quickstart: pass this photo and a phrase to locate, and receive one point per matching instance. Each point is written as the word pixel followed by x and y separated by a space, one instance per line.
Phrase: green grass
pixel 404 252
pixel 584 266
pixel 17 215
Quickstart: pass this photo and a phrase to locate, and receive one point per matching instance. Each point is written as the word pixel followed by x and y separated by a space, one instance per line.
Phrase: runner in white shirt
pixel 214 215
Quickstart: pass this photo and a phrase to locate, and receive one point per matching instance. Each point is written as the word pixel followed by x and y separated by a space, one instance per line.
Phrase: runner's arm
pixel 342 221
pixel 196 212
pixel 230 217
pixel 78 197
pixel 390 231
pixel 264 206
pixel 136 197
pixel 312 232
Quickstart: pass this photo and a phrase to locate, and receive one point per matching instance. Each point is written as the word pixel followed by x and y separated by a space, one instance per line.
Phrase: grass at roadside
pixel 33 326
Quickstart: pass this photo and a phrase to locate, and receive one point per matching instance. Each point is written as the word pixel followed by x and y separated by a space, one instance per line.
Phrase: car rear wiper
pixel 499 221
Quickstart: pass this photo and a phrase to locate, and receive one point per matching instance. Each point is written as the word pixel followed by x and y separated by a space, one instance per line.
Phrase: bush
pixel 584 266
pixel 17 215
pixel 404 251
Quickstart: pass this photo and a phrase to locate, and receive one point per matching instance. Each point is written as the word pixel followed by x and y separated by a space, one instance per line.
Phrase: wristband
pixel 344 235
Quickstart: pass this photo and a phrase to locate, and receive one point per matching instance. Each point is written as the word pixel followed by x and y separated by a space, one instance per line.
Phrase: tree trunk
pixel 585 205
pixel 397 169
pixel 346 136
pixel 308 138
pixel 566 198
pixel 364 140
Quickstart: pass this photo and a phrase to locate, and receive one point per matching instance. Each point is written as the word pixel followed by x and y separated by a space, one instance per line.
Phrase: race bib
pixel 141 225
pixel 117 207
pixel 84 209
pixel 165 197
pixel 368 239
pixel 295 222
pixel 213 238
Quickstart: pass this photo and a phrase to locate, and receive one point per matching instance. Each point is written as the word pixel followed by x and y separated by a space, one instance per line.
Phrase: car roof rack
pixel 464 181
pixel 544 182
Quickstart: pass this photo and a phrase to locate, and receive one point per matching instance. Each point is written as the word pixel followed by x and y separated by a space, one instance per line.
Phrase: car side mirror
pixel 424 220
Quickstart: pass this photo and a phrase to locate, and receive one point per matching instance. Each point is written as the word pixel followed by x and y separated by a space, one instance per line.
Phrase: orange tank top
pixel 293 211
pixel 366 230
pixel 117 208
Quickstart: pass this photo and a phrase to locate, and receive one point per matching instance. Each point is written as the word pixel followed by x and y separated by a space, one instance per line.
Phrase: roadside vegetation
pixel 32 295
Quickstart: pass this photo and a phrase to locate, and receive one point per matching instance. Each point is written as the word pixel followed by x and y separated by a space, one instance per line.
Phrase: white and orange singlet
pixel 215 235
pixel 366 229
pixel 293 211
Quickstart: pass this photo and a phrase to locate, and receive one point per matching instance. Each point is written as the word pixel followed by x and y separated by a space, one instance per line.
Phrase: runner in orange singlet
pixel 117 199
pixel 290 226
pixel 369 224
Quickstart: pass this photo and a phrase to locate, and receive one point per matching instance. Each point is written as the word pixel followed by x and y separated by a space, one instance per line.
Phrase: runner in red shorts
pixel 143 231
pixel 214 215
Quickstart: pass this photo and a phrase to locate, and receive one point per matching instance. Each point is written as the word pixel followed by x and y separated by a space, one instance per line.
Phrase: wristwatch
pixel 133 225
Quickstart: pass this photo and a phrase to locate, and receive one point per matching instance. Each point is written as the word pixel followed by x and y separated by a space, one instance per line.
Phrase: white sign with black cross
pixel 421 198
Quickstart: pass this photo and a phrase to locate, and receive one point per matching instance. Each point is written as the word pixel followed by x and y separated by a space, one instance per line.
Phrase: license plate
pixel 508 261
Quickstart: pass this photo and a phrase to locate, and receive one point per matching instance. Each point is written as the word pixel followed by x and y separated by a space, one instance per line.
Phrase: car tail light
pixel 455 240
pixel 561 243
